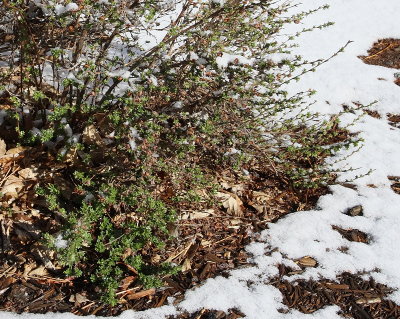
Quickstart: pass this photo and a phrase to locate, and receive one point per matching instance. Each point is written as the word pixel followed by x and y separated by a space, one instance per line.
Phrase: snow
pixel 177 105
pixel 60 242
pixel 68 130
pixel 225 59
pixel 343 80
pixel 60 9
pixel 125 74
pixel 134 136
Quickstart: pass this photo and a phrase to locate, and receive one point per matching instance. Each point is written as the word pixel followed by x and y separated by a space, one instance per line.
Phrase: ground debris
pixel 356 297
pixel 384 52
pixel 355 211
pixel 395 183
pixel 307 261
pixel 394 119
pixel 352 234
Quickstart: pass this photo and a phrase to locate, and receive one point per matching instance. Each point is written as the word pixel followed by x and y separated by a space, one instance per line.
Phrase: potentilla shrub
pixel 143 101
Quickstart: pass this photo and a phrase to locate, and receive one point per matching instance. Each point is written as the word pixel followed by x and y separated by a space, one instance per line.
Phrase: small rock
pixel 355 211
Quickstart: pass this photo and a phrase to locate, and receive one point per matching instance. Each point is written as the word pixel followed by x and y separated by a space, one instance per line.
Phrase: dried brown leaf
pixel 38 272
pixel 126 282
pixel 3 147
pixel 262 197
pixel 231 202
pixel 79 298
pixel 258 208
pixel 12 186
pixel 91 136
pixel 72 156
pixel 197 214
pixel 6 282
pixel 187 264
pixel 27 173
pixel 28 268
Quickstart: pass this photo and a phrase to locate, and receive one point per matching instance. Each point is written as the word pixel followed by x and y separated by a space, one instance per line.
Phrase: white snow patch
pixel 60 9
pixel 226 58
pixel 61 242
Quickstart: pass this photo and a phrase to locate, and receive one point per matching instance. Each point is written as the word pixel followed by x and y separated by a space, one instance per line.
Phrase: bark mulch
pixel 394 120
pixel 357 297
pixel 385 52
pixel 395 183
pixel 207 242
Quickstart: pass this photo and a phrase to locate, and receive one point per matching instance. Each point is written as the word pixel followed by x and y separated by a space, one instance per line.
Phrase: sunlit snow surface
pixel 343 80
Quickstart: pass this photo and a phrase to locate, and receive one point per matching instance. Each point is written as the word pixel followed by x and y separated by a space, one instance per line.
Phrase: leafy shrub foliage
pixel 145 100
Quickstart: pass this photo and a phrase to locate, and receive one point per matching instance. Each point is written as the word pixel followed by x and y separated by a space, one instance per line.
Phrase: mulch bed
pixel 356 297
pixel 395 183
pixel 209 242
pixel 212 314
pixel 394 120
pixel 385 52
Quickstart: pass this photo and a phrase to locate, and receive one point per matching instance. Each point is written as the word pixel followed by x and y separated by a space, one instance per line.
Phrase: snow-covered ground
pixel 345 79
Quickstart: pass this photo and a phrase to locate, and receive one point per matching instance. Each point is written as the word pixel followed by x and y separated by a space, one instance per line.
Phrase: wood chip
pixel 141 294
pixel 337 286
pixel 213 258
pixel 3 147
pixel 306 261
pixel 355 211
pixel 127 281
pixel 368 300
pixel 5 282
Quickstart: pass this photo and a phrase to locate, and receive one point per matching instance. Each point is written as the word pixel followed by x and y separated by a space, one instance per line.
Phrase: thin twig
pixel 379 52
